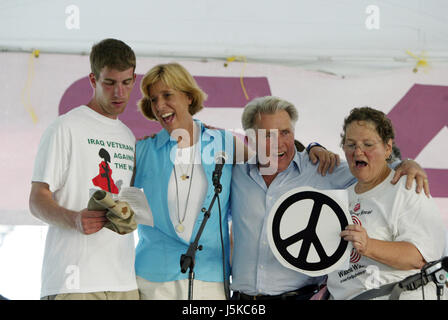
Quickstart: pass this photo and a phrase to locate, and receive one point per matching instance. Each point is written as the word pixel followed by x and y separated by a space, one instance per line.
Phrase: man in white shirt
pixel 83 260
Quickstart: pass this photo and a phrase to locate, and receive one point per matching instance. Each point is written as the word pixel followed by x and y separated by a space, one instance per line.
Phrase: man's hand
pixel 412 170
pixel 207 126
pixel 147 137
pixel 327 159
pixel 88 222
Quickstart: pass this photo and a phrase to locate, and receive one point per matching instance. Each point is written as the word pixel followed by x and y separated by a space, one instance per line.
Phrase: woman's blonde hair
pixel 176 77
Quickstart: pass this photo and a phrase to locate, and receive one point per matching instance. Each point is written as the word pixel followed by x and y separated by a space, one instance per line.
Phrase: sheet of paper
pixel 138 202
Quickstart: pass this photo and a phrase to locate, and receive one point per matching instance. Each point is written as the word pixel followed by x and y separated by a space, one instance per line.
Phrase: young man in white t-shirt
pixel 78 153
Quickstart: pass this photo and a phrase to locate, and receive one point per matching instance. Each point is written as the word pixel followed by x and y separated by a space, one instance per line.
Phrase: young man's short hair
pixel 111 53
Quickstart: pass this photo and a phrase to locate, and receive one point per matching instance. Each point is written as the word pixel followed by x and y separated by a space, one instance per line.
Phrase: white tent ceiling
pixel 318 34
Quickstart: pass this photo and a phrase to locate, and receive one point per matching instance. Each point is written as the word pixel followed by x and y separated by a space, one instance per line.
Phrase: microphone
pixel 445 263
pixel 433 267
pixel 220 160
pixel 434 271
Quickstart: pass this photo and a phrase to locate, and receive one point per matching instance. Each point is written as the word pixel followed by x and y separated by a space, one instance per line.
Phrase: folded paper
pixel 119 214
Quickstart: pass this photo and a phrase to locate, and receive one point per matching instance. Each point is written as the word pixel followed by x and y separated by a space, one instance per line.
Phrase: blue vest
pixel 159 248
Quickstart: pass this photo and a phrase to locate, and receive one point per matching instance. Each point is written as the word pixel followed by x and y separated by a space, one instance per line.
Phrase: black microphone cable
pixel 224 278
pixel 423 287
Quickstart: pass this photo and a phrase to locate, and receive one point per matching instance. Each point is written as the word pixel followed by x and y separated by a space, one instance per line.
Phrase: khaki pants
pixel 178 290
pixel 102 295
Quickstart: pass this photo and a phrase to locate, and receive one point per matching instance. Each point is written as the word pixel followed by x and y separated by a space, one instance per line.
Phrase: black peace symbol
pixel 308 235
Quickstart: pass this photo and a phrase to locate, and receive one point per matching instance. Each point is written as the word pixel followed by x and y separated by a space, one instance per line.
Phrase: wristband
pixel 312 145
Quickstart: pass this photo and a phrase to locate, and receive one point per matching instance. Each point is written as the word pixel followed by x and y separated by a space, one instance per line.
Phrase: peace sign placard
pixel 304 227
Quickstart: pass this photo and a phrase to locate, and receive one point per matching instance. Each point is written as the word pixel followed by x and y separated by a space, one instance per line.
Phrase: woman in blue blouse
pixel 175 169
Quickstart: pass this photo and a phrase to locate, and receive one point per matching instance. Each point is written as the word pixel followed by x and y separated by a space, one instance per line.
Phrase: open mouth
pixel 274 158
pixel 360 164
pixel 167 117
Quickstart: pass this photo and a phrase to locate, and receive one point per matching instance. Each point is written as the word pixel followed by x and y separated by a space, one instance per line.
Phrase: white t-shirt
pixel 390 213
pixel 80 151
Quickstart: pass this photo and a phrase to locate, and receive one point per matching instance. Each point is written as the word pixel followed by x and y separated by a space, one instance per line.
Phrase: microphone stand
pixel 436 271
pixel 187 260
pixel 433 271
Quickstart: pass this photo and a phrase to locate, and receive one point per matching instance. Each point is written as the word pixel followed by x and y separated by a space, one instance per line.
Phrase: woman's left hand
pixel 358 236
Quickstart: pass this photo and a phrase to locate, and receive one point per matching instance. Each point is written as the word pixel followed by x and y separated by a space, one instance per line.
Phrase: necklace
pixel 180 227
pixel 185 173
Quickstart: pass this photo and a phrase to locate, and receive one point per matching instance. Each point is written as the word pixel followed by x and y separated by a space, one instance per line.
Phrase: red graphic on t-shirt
pixel 354 255
pixel 357 207
pixel 356 220
pixel 104 178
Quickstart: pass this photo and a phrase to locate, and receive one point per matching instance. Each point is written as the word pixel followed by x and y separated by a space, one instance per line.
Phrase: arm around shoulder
pixel 241 152
pixel 413 171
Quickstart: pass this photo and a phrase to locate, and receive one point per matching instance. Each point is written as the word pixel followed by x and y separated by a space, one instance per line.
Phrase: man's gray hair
pixel 266 105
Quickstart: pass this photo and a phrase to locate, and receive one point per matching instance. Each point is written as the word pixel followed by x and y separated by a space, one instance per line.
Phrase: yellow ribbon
pixel 240 58
pixel 422 62
pixel 26 100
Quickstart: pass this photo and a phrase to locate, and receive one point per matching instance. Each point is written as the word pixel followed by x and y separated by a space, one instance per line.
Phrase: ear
pixel 190 99
pixel 92 80
pixel 250 138
pixel 389 148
